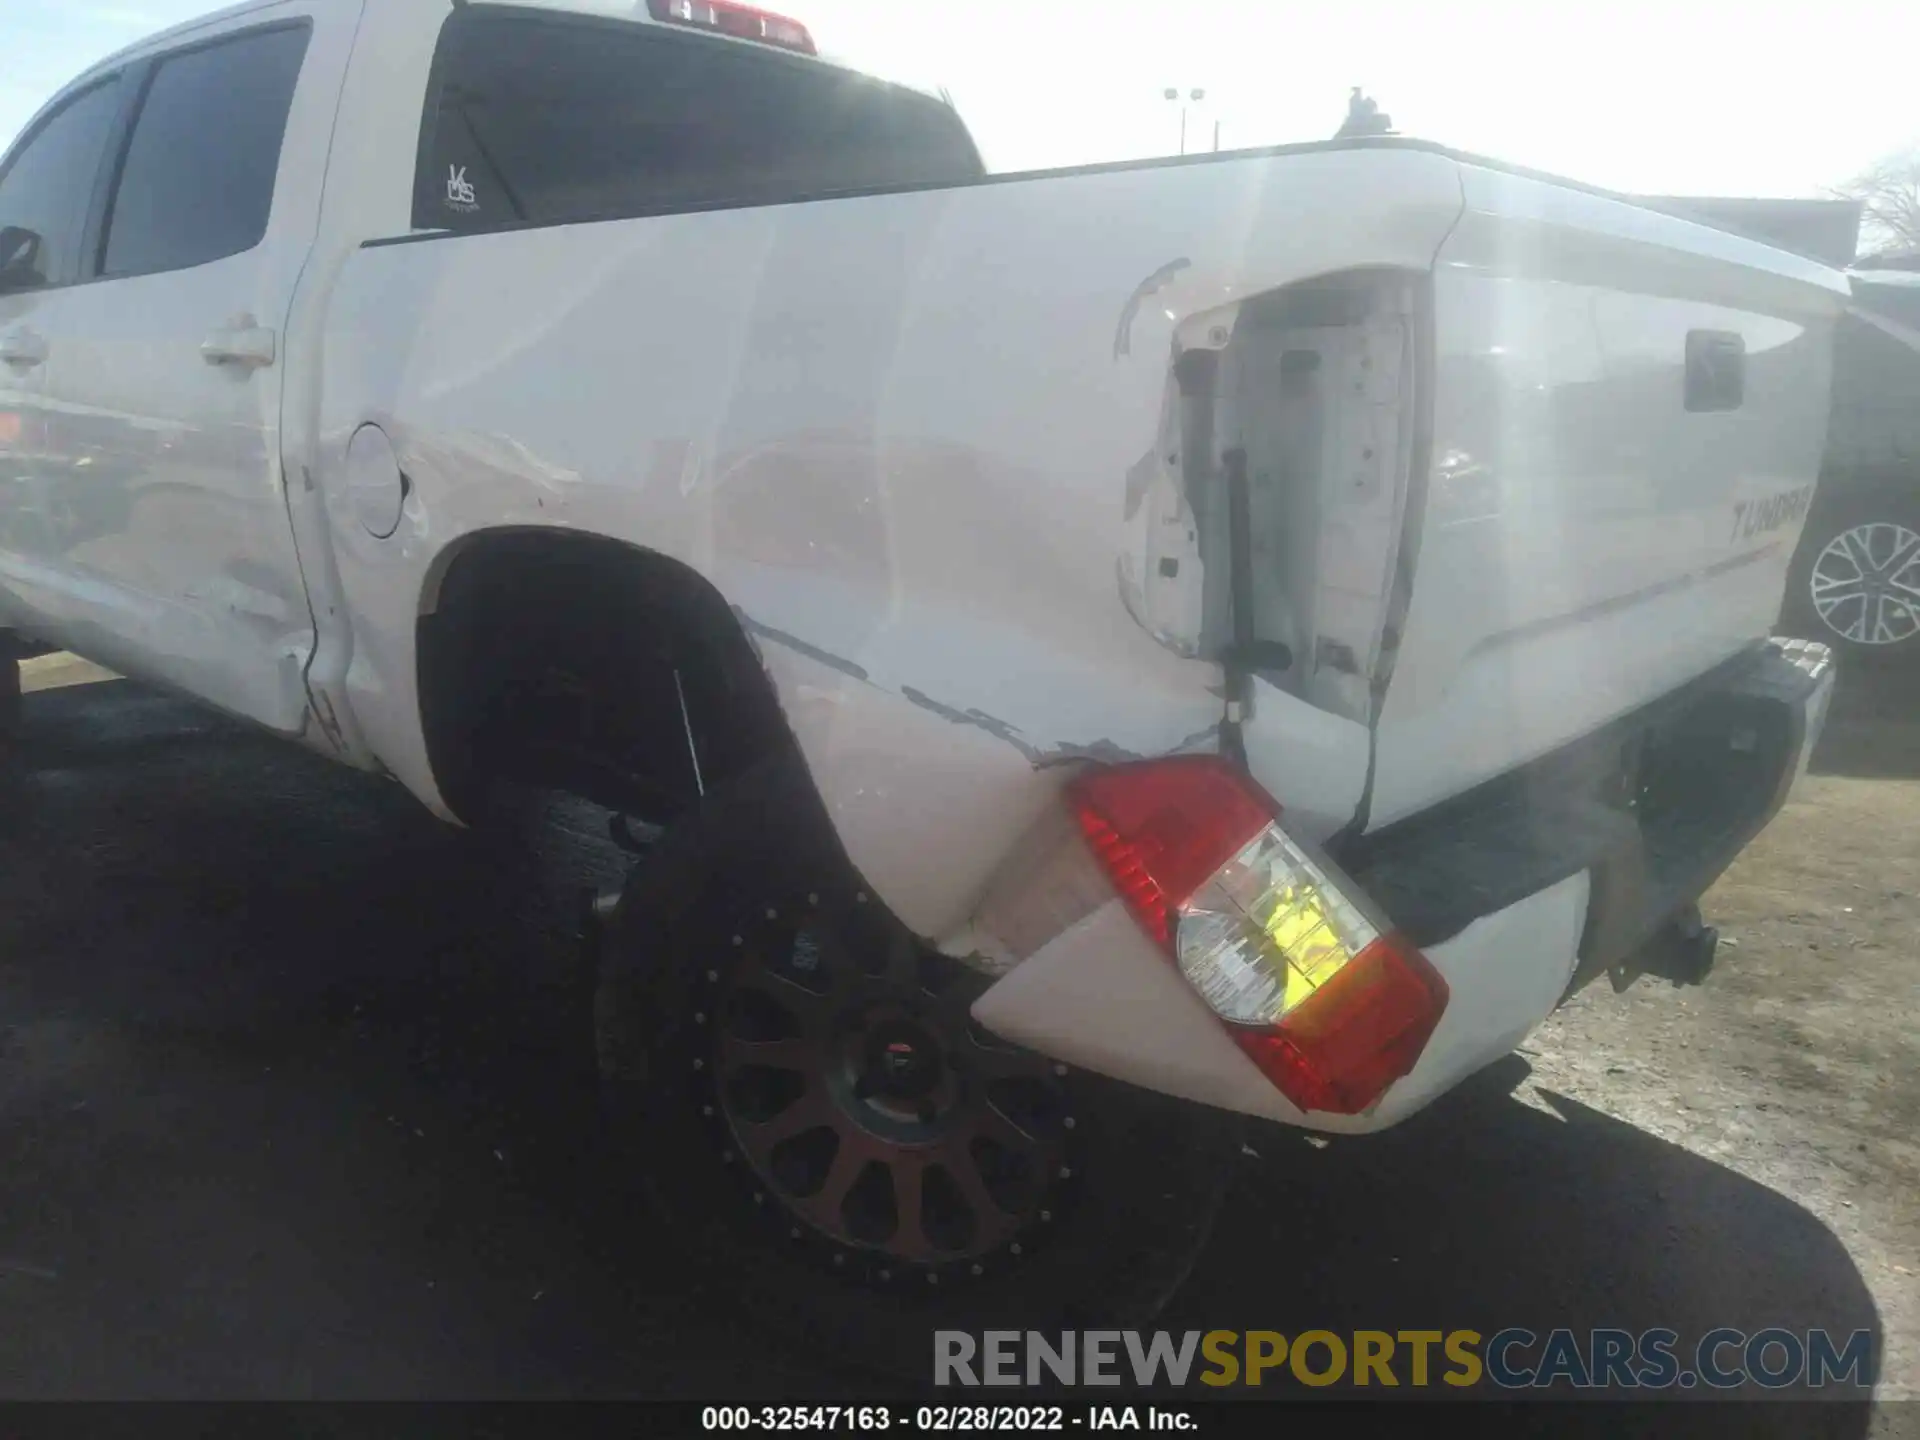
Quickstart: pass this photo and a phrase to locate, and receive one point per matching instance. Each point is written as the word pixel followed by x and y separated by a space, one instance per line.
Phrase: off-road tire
pixel 1121 1232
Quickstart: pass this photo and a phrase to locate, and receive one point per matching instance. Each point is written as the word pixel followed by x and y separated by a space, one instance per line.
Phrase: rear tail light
pixel 1278 942
pixel 743 22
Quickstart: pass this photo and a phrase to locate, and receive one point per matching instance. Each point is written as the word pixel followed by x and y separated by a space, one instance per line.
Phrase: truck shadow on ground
pixel 296 1100
pixel 1490 1212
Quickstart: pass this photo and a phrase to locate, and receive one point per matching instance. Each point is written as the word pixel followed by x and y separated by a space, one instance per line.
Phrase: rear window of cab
pixel 539 117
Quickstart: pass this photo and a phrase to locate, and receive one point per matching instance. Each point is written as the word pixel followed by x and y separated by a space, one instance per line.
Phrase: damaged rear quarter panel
pixel 893 431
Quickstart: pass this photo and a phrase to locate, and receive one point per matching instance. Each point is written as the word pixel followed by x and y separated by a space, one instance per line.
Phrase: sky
pixel 1702 97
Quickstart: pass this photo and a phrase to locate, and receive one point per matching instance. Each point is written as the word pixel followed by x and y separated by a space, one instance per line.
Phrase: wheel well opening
pixel 584 665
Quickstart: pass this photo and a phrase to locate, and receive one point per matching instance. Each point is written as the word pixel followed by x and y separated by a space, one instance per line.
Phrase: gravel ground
pixel 1798 1065
pixel 295 1102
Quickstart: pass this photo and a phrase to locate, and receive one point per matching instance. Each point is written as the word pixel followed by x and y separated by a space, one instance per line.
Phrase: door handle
pixel 240 345
pixel 22 347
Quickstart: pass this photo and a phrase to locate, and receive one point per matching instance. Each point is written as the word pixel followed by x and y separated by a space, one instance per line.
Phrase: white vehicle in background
pixel 1263 628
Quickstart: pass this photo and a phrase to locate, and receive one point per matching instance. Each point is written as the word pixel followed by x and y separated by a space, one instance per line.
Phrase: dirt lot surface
pixel 1798 1064
pixel 295 1101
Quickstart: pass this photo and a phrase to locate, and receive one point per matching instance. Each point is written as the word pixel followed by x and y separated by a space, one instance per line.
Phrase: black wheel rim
pixel 864 1108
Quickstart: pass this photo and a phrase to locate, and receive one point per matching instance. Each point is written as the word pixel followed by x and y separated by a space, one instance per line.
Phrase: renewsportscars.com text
pixel 1510 1359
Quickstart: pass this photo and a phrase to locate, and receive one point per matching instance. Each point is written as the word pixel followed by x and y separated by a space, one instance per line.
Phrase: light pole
pixel 1192 97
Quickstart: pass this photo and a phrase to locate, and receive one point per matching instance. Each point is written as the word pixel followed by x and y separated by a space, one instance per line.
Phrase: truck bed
pixel 905 435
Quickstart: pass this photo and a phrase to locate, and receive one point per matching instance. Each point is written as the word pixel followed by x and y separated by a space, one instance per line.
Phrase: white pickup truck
pixel 1263 628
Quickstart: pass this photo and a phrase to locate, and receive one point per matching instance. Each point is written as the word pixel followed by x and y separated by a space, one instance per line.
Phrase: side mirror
pixel 19 259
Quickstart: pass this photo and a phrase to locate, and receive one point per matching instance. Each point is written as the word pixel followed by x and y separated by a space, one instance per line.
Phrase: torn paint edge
pixel 801 647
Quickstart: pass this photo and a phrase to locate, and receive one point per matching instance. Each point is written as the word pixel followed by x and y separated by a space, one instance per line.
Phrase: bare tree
pixel 1890 196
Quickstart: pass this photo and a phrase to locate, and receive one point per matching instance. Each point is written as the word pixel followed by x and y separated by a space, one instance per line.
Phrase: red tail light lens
pixel 1162 829
pixel 1364 1029
pixel 1279 944
pixel 743 22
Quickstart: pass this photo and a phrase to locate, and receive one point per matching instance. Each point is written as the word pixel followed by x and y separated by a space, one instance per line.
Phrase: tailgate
pixel 1629 412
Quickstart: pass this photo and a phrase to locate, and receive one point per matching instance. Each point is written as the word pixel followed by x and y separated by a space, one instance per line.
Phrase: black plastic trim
pixel 1473 856
pixel 1637 893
